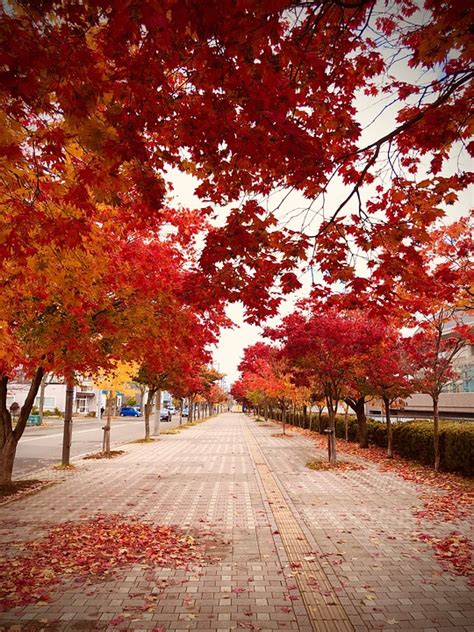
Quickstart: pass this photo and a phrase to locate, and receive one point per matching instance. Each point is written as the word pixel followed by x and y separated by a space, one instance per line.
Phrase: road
pixel 42 446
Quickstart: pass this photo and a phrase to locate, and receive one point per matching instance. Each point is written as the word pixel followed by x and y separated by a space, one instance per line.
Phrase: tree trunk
pixel 437 455
pixel 9 437
pixel 283 418
pixel 388 419
pixel 332 455
pixel 320 419
pixel 108 423
pixel 41 399
pixel 67 428
pixel 147 421
pixel 7 460
pixel 346 423
pixel 358 406
pixel 265 412
pixel 148 408
pixel 157 423
pixel 181 412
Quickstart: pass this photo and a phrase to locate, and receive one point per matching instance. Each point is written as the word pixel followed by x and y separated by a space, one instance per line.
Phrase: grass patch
pixel 195 422
pixel 104 455
pixel 170 432
pixel 60 466
pixel 340 466
pixel 149 440
pixel 280 435
pixel 18 489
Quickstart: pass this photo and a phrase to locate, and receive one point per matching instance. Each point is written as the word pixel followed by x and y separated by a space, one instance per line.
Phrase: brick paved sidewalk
pixel 300 550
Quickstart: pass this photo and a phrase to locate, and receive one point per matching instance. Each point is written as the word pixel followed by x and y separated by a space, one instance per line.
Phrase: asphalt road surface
pixel 42 446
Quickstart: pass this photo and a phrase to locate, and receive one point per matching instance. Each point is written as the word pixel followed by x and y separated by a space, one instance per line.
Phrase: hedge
pixel 414 440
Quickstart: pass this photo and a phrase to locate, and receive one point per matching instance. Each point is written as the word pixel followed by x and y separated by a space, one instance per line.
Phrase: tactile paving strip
pixel 322 605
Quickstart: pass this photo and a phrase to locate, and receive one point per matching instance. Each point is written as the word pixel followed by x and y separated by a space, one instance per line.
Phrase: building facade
pixel 88 400
pixel 457 398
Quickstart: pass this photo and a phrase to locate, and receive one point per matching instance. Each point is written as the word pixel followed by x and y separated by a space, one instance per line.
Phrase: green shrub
pixel 351 427
pixel 457 447
pixel 414 440
pixel 51 413
pixel 377 433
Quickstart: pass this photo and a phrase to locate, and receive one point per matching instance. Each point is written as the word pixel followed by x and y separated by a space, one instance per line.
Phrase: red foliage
pixel 455 553
pixel 89 550
pixel 99 102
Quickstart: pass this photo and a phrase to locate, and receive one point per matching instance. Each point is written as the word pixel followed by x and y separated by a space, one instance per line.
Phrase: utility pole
pixel 67 432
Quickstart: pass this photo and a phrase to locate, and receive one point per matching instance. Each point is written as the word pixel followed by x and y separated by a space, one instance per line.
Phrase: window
pixel 49 403
pixel 82 405
pixel 468 378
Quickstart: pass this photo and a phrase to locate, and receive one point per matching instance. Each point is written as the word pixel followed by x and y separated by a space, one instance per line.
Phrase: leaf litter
pixel 90 550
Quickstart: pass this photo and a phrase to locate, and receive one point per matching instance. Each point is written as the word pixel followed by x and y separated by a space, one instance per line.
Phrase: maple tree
pixel 205 391
pixel 173 356
pixel 211 391
pixel 99 101
pixel 117 378
pixel 369 345
pixel 248 389
pixel 389 376
pixel 267 379
pixel 82 309
pixel 215 396
pixel 324 345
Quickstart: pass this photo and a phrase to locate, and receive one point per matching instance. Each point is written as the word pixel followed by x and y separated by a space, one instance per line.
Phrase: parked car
pixel 129 411
pixel 165 414
pixel 185 412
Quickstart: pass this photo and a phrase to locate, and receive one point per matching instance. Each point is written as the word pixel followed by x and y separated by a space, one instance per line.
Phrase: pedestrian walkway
pixel 296 549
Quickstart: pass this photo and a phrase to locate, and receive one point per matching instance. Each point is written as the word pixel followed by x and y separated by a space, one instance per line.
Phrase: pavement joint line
pixel 321 612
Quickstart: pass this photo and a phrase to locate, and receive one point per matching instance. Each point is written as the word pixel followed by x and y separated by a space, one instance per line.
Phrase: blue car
pixel 129 411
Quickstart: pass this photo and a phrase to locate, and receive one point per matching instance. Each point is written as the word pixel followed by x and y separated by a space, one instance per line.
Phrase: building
pixel 88 400
pixel 457 398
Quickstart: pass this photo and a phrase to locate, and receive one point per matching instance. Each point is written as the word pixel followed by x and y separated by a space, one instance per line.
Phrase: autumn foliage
pixel 91 550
